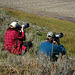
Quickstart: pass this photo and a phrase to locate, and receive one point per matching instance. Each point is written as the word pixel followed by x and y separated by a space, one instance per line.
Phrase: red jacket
pixel 13 41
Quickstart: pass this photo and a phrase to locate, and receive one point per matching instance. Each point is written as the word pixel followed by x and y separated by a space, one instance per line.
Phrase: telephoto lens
pixel 59 35
pixel 26 25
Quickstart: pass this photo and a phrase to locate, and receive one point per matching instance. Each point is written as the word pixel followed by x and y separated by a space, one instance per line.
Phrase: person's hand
pixel 22 29
pixel 54 42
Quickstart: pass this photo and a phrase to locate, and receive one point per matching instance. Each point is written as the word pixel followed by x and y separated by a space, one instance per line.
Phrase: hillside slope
pixel 39 28
pixel 30 64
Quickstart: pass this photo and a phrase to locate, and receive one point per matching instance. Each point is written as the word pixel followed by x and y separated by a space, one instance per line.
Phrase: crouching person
pixel 50 48
pixel 14 39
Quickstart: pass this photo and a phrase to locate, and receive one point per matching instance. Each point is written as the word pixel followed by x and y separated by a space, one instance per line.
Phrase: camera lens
pixel 61 35
pixel 26 25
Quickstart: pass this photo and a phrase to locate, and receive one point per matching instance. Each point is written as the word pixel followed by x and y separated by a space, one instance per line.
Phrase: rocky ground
pixel 62 9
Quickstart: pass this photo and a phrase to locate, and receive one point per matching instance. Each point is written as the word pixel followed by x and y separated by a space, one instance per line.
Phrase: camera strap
pixel 52 49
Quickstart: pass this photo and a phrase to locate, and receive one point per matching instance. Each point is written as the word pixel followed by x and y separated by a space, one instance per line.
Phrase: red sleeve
pixel 20 37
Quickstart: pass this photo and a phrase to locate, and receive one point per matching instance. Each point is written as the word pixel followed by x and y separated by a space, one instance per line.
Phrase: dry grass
pixel 26 65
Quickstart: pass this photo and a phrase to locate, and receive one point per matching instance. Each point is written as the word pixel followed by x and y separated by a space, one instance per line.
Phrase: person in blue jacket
pixel 50 48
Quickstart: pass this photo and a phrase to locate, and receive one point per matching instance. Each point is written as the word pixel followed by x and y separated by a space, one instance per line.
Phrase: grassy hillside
pixel 51 24
pixel 30 64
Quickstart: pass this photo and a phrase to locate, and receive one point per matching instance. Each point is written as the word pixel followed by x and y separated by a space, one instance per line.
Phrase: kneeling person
pixel 50 48
pixel 14 39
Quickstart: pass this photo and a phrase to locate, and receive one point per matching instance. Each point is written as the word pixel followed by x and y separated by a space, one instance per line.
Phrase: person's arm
pixel 22 36
pixel 60 48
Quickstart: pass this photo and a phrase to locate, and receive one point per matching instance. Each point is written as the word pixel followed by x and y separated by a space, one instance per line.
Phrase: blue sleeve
pixel 61 49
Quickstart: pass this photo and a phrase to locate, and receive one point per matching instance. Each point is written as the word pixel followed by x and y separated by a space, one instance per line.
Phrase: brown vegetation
pixel 30 64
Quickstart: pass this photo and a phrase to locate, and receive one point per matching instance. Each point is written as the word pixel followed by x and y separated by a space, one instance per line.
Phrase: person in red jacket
pixel 14 39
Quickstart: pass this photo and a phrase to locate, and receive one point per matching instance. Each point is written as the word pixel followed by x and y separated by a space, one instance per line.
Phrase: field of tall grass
pixel 30 64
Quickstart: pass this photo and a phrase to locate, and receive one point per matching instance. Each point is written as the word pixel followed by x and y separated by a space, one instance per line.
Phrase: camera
pixel 56 38
pixel 26 25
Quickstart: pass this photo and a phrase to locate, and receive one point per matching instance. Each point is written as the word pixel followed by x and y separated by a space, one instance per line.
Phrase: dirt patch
pixel 48 8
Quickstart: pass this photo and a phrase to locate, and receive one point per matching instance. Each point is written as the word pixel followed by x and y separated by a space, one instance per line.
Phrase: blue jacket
pixel 49 48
